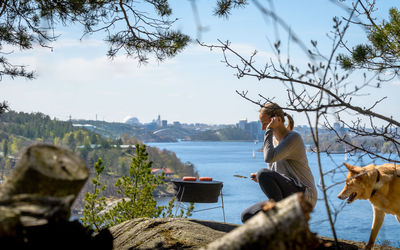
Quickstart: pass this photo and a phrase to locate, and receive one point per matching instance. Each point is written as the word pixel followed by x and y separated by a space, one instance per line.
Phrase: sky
pixel 76 79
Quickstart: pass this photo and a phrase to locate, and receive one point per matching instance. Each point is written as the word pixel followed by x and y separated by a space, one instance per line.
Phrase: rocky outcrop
pixel 167 233
pixel 281 225
pixel 178 233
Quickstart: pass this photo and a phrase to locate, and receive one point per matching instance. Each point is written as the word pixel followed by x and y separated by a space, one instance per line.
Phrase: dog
pixel 380 184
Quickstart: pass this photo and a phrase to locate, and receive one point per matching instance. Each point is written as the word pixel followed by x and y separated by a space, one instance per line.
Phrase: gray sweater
pixel 289 159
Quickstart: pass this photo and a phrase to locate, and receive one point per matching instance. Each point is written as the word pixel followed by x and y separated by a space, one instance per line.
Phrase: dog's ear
pixel 352 168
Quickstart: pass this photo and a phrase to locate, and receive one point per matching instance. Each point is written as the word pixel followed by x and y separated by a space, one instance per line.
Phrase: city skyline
pixel 239 124
pixel 155 120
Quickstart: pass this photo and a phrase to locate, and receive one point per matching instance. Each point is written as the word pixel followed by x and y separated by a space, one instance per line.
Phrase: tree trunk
pixel 46 170
pixel 281 225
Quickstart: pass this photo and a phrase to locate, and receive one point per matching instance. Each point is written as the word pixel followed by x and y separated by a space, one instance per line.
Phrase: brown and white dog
pixel 378 184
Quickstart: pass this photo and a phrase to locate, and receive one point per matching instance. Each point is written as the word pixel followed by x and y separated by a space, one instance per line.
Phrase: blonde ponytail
pixel 290 124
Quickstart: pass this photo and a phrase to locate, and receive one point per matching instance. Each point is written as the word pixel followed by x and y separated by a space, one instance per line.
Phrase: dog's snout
pixel 342 195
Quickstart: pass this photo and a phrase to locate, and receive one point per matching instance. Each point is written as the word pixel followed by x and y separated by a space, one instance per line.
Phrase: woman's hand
pixel 274 123
pixel 253 176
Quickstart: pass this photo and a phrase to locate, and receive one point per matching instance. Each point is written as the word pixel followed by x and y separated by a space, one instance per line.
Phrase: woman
pixel 288 170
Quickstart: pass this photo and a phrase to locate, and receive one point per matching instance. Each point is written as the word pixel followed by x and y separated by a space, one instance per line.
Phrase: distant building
pixel 336 126
pixel 92 146
pixel 252 128
pixel 302 129
pixel 83 125
pixel 158 171
pixel 339 128
pixel 242 124
pixel 125 146
pixel 132 121
pixel 151 126
pixel 158 121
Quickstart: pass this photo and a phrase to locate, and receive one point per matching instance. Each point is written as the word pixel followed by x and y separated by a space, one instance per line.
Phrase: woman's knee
pixel 251 211
pixel 264 173
pixel 245 216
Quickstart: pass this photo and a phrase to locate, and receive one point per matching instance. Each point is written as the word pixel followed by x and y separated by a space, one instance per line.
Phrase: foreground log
pixel 46 170
pixel 281 225
pixel 31 210
pixel 36 199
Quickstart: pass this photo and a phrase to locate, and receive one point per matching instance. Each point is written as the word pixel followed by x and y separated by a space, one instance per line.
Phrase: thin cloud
pixel 396 82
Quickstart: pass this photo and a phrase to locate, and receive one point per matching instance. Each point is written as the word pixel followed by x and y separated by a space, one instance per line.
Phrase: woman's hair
pixel 273 109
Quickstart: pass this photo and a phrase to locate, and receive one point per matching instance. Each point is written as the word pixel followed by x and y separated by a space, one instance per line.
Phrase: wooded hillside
pixel 19 130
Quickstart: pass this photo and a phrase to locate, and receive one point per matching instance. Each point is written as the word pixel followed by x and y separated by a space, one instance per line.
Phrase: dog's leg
pixel 398 218
pixel 379 216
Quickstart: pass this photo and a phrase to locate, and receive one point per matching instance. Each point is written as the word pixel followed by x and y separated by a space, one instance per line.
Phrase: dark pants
pixel 275 186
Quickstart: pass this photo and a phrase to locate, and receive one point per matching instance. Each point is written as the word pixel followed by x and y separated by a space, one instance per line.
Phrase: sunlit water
pixel 223 160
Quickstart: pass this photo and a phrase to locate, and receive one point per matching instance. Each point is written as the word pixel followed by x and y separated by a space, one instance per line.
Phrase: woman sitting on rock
pixel 288 171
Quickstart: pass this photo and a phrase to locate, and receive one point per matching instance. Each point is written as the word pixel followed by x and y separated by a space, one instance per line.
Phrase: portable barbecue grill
pixel 199 192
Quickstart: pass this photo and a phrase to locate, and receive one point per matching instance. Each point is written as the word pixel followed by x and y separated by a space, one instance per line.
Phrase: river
pixel 223 160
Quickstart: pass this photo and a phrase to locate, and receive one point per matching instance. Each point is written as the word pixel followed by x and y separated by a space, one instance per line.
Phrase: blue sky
pixel 77 79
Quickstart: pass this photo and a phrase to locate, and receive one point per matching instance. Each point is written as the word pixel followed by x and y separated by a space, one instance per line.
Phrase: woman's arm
pixel 283 150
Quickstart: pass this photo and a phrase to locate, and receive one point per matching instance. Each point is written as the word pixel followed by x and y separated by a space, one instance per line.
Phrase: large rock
pixel 167 233
pixel 281 225
pixel 178 233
